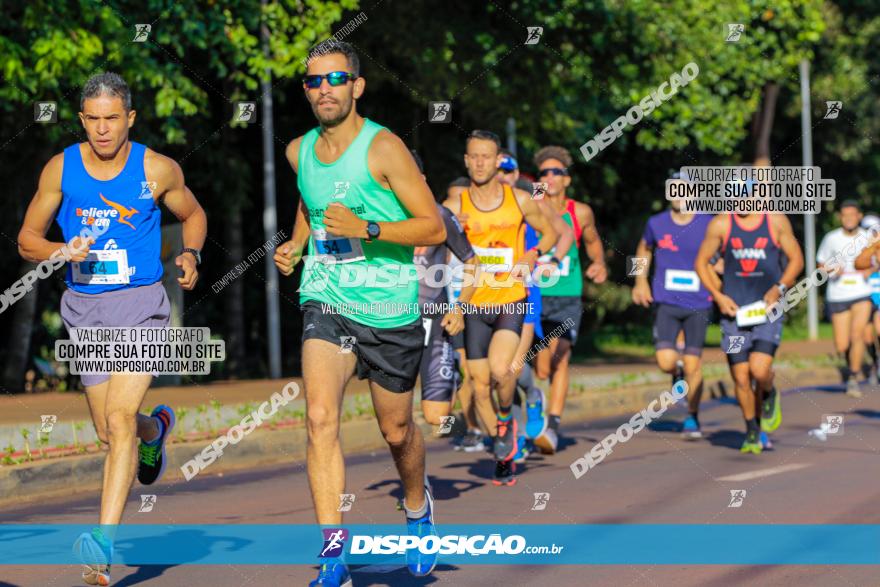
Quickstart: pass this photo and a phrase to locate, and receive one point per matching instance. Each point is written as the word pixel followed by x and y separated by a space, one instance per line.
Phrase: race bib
pixel 680 280
pixel 342 250
pixel 752 314
pixel 426 324
pixel 103 266
pixel 851 280
pixel 495 260
pixel 562 269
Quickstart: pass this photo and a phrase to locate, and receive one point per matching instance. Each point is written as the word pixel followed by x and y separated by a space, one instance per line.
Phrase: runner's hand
pixel 341 221
pixel 187 262
pixel 726 305
pixel 641 295
pixel 286 257
pixel 771 296
pixel 78 248
pixel 597 272
pixel 453 322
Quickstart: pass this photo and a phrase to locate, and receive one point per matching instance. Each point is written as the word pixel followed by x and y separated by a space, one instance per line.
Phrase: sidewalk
pixel 71 406
pixel 596 392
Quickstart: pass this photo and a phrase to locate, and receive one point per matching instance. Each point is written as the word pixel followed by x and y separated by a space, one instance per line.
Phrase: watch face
pixel 373 229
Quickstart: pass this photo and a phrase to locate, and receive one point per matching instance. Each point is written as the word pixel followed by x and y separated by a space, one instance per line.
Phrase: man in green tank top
pixel 364 206
pixel 561 302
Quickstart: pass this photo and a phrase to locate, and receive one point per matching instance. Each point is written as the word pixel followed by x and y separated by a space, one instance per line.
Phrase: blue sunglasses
pixel 334 78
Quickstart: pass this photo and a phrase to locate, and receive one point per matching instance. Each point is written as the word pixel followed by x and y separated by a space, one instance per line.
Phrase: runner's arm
pixel 597 271
pixel 391 162
pixel 181 202
pixel 865 260
pixel 289 253
pixel 711 245
pixel 790 246
pixel 539 221
pixel 458 244
pixel 32 243
pixel 641 292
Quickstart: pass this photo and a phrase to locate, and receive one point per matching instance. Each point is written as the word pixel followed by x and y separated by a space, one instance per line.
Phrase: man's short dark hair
pixel 850 204
pixel 331 46
pixel 561 154
pixel 485 135
pixel 106 84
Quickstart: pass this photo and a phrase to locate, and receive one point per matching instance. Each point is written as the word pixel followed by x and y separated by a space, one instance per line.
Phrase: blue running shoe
pixel 523 450
pixel 536 419
pixel 766 443
pixel 422 564
pixel 95 552
pixel 690 430
pixel 333 573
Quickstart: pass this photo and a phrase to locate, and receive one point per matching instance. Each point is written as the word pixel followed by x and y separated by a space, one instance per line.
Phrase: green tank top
pixel 571 281
pixel 361 280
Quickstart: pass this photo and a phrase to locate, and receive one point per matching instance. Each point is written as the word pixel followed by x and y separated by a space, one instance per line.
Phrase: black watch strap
pixel 195 253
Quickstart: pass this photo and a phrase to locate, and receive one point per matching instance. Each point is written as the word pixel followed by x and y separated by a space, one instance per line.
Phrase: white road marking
pixel 765 472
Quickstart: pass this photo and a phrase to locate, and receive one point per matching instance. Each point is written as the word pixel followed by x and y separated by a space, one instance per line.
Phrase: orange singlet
pixel 497 239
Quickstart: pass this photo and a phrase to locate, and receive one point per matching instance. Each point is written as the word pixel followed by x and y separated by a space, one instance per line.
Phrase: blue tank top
pixel 752 261
pixel 124 209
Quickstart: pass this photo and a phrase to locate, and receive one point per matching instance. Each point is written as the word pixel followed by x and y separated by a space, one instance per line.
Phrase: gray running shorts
pixel 146 306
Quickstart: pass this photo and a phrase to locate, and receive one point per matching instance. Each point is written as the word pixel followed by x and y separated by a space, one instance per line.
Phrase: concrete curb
pixel 53 478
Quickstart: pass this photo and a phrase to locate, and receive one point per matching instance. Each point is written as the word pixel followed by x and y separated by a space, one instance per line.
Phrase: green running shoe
pixel 771 411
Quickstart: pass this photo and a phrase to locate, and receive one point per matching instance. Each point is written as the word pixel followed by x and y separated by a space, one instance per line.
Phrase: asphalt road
pixel 655 478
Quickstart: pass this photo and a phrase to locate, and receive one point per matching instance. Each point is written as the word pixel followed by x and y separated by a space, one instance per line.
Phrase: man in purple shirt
pixel 681 303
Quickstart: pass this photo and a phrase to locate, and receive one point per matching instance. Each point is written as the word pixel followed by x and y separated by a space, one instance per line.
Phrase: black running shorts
pixel 388 356
pixel 669 320
pixel 480 323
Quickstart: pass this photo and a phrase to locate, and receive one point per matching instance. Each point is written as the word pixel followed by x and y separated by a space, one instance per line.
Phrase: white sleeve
pixel 823 254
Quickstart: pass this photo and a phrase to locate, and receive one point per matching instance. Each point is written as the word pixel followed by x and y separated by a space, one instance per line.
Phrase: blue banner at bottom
pixel 457 544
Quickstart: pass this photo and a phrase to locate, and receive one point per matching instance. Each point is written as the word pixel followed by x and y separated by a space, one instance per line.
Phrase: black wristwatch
pixel 373 231
pixel 195 253
pixel 555 259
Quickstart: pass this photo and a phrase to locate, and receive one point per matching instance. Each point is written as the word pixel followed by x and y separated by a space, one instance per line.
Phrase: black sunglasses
pixel 553 171
pixel 334 78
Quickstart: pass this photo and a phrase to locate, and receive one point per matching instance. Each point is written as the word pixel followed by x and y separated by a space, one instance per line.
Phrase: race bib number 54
pixel 343 250
pixel 103 266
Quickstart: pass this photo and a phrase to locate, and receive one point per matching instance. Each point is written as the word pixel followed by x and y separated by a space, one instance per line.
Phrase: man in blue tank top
pixel 681 304
pixel 752 247
pixel 104 193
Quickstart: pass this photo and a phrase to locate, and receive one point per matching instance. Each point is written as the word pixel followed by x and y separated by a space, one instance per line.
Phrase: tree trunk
pixel 20 332
pixel 762 124
pixel 234 302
